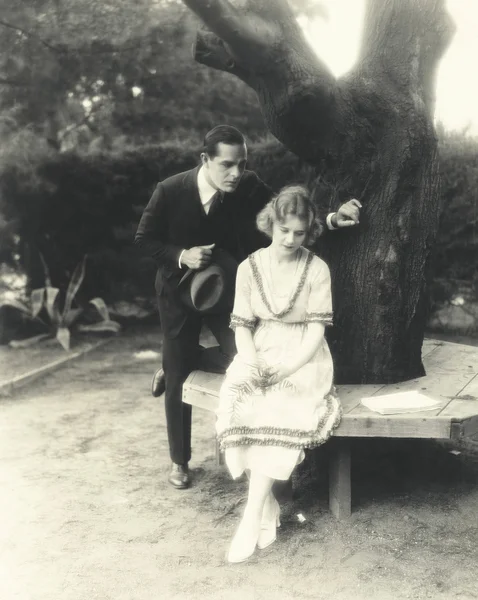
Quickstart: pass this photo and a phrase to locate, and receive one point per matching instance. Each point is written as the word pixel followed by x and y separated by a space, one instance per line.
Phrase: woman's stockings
pixel 246 537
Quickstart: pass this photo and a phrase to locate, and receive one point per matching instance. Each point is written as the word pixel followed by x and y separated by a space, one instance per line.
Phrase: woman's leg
pixel 271 503
pixel 247 534
pixel 260 487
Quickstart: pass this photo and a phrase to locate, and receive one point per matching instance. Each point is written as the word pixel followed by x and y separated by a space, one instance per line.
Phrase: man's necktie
pixel 216 201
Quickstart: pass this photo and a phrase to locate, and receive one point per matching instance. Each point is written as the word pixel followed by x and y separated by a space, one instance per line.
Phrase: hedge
pixel 70 204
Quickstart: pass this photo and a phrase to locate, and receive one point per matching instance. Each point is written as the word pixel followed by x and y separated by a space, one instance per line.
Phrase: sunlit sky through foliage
pixel 337 40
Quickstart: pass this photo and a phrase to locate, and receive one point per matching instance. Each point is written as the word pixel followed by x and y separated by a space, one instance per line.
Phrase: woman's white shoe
pixel 243 543
pixel 269 524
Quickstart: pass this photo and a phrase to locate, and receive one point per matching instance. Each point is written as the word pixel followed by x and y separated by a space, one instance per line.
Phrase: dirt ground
pixel 19 361
pixel 86 511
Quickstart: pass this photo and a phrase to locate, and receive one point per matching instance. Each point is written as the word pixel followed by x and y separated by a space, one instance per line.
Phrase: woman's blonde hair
pixel 291 200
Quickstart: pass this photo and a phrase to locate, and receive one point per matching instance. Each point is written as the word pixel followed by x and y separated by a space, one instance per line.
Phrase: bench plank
pixel 200 398
pixel 468 395
pixel 450 356
pixel 463 410
pixel 464 428
pixel 350 395
pixel 429 346
pixel 394 426
pixel 211 382
pixel 448 372
pixel 441 386
pixel 207 382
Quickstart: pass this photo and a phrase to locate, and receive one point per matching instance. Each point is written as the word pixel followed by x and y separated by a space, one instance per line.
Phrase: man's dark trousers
pixel 181 355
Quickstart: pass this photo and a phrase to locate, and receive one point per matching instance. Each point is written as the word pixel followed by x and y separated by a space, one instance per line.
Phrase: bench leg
pixel 340 497
pixel 219 455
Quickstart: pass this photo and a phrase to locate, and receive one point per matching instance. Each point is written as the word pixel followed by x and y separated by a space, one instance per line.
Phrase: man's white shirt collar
pixel 206 190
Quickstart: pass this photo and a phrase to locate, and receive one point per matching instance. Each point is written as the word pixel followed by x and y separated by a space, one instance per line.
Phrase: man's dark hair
pixel 225 134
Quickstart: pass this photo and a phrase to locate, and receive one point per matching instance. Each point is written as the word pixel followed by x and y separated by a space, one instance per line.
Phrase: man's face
pixel 224 171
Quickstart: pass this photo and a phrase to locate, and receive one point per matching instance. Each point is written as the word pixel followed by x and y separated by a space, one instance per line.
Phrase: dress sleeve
pixel 242 315
pixel 319 306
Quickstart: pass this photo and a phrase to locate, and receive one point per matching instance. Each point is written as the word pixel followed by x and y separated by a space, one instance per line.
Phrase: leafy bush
pixel 457 247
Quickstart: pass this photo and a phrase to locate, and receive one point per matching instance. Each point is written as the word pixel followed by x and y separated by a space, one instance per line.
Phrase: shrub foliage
pixel 70 204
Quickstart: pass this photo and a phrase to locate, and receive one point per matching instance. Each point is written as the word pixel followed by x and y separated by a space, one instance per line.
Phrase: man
pixel 211 206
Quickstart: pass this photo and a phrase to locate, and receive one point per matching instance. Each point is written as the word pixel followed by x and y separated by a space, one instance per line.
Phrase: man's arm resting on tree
pixel 347 215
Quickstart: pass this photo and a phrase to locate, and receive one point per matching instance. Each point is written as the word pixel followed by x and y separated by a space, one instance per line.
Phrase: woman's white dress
pixel 267 428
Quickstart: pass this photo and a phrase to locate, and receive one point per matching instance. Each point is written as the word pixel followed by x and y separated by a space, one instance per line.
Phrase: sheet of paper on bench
pixel 401 402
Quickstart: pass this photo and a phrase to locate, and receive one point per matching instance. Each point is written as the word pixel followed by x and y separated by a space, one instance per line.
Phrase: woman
pixel 277 397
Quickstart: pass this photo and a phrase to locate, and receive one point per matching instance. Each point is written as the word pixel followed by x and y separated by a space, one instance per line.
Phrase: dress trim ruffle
pixel 237 321
pixel 320 317
pixel 260 286
pixel 283 436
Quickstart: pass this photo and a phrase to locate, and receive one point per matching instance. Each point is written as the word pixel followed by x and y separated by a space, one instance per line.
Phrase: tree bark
pixel 370 136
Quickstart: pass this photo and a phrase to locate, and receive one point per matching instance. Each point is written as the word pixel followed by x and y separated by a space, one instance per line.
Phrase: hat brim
pixel 189 273
pixel 210 289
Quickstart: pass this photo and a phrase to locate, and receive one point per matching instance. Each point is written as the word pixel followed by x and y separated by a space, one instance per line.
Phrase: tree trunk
pixel 370 136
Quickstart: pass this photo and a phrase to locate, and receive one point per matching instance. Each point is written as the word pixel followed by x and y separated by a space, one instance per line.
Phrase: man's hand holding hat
pixel 197 257
pixel 209 287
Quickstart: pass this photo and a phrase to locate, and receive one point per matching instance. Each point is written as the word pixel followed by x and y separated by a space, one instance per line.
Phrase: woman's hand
pixel 275 373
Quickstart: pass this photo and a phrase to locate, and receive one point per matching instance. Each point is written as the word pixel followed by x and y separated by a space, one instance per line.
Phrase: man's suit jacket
pixel 174 220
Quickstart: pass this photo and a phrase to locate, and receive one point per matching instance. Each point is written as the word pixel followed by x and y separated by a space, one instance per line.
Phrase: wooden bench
pixel 452 378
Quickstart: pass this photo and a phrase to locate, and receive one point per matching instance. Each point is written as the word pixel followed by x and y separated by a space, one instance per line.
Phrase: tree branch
pixel 303 105
pixel 244 31
pixel 263 44
pixel 211 51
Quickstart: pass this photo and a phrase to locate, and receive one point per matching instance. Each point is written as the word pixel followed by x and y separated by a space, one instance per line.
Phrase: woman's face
pixel 289 234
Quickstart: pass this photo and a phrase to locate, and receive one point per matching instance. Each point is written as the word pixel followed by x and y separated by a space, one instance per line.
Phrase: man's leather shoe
pixel 158 384
pixel 179 476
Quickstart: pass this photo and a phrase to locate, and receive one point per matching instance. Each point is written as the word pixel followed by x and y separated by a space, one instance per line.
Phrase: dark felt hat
pixel 210 290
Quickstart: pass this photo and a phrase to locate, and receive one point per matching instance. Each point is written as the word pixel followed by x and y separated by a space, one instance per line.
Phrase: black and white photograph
pixel 238 300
